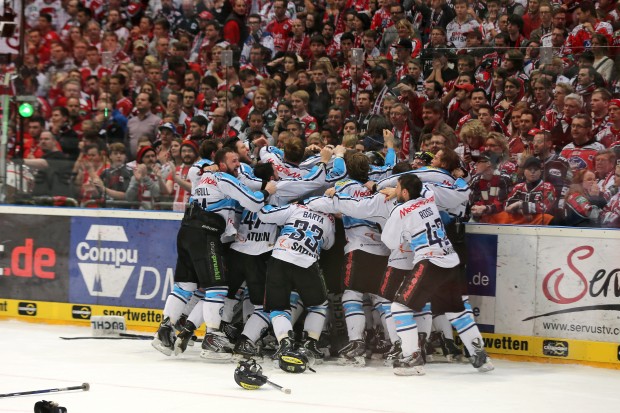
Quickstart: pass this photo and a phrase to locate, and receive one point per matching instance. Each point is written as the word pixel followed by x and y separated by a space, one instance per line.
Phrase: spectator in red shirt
pixel 235 29
pixel 531 19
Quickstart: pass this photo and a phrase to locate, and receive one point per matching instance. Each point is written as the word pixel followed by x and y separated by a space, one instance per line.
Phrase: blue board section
pixel 122 262
pixel 482 264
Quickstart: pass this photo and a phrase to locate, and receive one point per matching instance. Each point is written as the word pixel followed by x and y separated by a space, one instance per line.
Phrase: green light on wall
pixel 26 110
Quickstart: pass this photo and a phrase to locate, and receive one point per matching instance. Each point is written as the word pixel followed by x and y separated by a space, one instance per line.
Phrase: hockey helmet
pixel 249 375
pixel 293 361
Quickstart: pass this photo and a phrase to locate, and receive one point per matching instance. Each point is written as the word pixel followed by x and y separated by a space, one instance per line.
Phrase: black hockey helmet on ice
pixel 249 375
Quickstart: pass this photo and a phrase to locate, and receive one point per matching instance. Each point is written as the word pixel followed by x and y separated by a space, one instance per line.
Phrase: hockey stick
pixel 277 386
pixel 84 386
pixel 122 336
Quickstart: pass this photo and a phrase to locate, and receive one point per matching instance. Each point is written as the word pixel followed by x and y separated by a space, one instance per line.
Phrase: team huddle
pixel 387 240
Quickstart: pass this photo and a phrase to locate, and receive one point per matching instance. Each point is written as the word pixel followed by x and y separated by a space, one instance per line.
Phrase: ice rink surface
pixel 130 376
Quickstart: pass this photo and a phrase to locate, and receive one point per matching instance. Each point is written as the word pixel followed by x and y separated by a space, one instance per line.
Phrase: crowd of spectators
pixel 130 93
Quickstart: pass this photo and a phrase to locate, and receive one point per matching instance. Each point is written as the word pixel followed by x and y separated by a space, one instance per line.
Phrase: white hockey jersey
pixel 255 237
pixel 223 194
pixel 435 176
pixel 276 157
pixel 418 223
pixel 361 234
pixel 304 233
pixel 194 173
pixel 377 208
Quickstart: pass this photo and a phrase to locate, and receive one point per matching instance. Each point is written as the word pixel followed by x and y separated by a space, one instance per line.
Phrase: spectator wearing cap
pixel 489 188
pixel 147 183
pixel 403 49
pixel 530 202
pixel 143 122
pixel 473 40
pixel 167 132
pixel 405 30
pixel 177 182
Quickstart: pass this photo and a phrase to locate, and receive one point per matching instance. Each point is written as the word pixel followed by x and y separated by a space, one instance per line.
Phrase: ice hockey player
pixel 434 279
pixel 294 265
pixel 206 225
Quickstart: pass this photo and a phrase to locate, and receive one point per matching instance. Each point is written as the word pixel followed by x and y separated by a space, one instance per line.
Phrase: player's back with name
pixel 418 221
pixel 304 233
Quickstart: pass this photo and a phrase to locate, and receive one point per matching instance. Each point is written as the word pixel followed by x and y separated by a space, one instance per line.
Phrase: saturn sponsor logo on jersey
pixel 555 348
pixel 104 260
pixel 81 312
pixel 27 309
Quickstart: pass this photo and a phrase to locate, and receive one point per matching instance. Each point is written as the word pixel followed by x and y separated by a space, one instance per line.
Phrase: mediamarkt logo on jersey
pixel 105 269
pixel 126 262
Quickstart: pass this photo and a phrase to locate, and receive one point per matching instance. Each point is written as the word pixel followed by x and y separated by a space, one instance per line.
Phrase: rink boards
pixel 536 291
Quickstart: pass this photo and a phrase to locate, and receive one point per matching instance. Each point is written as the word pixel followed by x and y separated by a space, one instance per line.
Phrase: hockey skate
pixel 371 338
pixel 231 331
pixel 454 353
pixel 215 346
pixel 310 347
pixel 381 346
pixel 164 338
pixel 353 354
pixel 394 353
pixel 410 366
pixel 184 338
pixel 245 349
pixel 287 343
pixel 480 360
pixel 423 343
pixel 178 326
